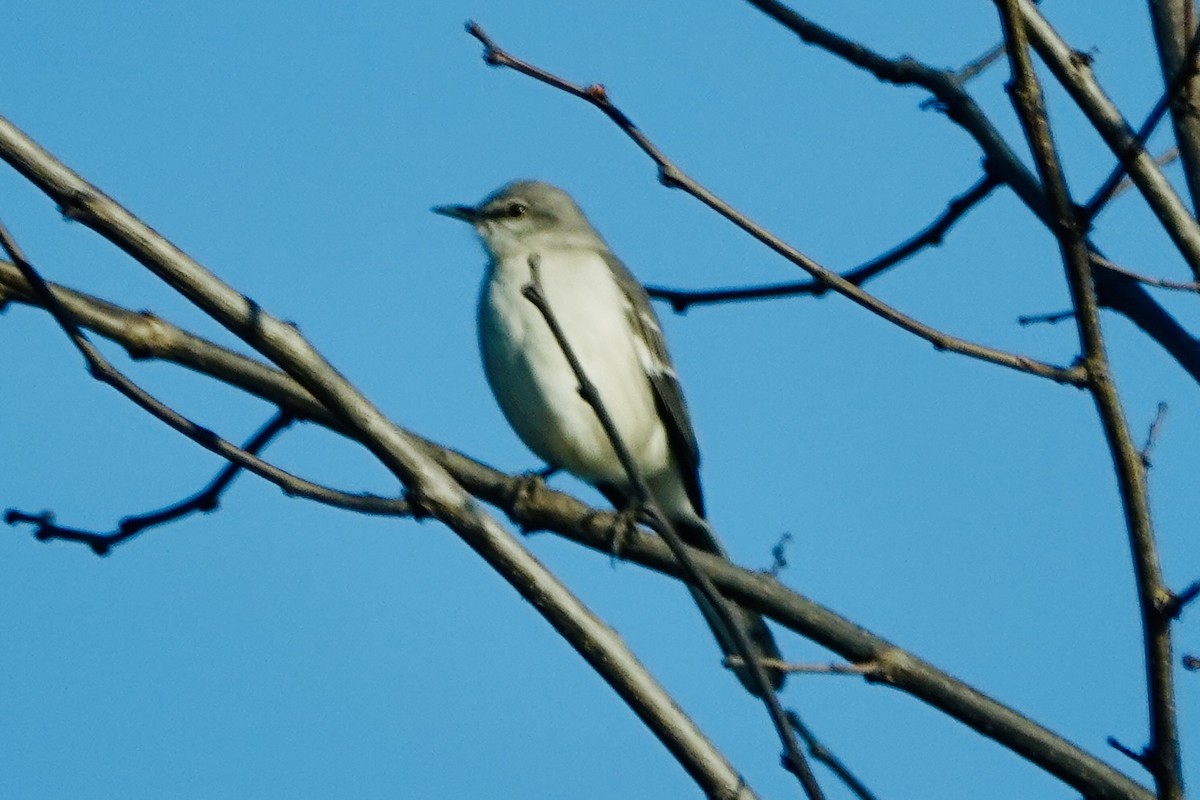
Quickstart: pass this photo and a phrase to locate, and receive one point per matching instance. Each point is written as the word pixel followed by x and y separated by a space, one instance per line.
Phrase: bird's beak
pixel 465 213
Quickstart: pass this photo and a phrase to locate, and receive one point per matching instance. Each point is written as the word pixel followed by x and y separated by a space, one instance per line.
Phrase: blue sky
pixel 278 648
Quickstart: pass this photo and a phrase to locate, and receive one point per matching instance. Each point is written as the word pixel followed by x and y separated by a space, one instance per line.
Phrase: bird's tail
pixel 698 534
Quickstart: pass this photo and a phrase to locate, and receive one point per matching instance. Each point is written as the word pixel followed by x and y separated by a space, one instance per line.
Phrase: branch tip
pixel 1177 602
pixel 492 56
pixel 1143 758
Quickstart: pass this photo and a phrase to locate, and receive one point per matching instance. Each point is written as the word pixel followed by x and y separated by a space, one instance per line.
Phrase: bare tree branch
pixel 1051 318
pixel 419 464
pixel 821 753
pixel 1115 291
pixel 1075 75
pixel 930 236
pixel 793 758
pixel 429 487
pixel 1178 602
pixel 1174 25
pixel 979 64
pixel 206 500
pixel 1160 416
pixel 1161 283
pixel 1141 758
pixel 1113 184
pixel 1125 296
pixel 548 510
pixel 1162 757
pixel 102 370
pixel 1165 158
pixel 671 176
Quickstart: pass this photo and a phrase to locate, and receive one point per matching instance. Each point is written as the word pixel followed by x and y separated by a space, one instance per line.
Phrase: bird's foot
pixel 624 528
pixel 522 498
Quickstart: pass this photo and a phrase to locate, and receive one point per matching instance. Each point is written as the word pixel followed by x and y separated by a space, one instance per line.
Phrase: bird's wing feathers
pixel 668 394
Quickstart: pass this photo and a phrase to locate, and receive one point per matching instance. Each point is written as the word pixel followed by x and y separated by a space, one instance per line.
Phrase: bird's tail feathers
pixel 697 533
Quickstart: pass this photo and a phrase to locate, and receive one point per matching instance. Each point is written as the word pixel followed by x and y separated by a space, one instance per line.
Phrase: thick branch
pixel 1174 24
pixel 548 510
pixel 1162 756
pixel 1117 180
pixel 102 370
pixel 793 758
pixel 1076 76
pixel 429 486
pixel 1117 292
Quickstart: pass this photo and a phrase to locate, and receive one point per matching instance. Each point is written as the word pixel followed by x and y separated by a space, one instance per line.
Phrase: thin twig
pixel 832 669
pixel 1051 318
pixel 145 336
pixel 968 71
pixel 1160 416
pixel 1179 601
pixel 810 669
pixel 976 67
pixel 1163 757
pixel 1076 77
pixel 102 370
pixel 1109 186
pixel 1165 158
pixel 930 236
pixel 1141 758
pixel 1160 283
pixel 820 752
pixel 793 758
pixel 206 500
pixel 672 176
pixel 779 560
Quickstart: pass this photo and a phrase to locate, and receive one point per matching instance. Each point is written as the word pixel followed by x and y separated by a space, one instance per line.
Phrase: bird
pixel 610 325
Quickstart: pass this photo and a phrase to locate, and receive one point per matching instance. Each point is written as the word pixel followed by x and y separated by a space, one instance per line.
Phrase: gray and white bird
pixel 607 320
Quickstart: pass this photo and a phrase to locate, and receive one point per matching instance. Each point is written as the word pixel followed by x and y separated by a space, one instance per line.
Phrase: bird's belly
pixel 537 390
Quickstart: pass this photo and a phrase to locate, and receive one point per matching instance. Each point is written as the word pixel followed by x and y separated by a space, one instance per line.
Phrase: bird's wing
pixel 668 394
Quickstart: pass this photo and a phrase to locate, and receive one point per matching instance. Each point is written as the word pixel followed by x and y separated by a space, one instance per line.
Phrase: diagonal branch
pixel 793 758
pixel 1174 23
pixel 1115 291
pixel 672 176
pixel 145 336
pixel 1160 283
pixel 102 370
pixel 930 236
pixel 548 510
pixel 819 752
pixel 1076 77
pixel 1162 757
pixel 430 488
pixel 1111 185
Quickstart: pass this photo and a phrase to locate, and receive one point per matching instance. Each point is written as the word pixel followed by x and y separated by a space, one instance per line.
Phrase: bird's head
pixel 526 215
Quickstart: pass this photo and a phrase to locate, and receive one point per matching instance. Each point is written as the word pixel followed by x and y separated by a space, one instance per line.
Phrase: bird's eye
pixel 517 209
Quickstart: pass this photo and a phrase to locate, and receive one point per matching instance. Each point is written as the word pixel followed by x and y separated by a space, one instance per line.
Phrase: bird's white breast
pixel 533 382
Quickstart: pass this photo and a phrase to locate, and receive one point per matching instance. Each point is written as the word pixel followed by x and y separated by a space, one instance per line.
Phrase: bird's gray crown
pixel 528 214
